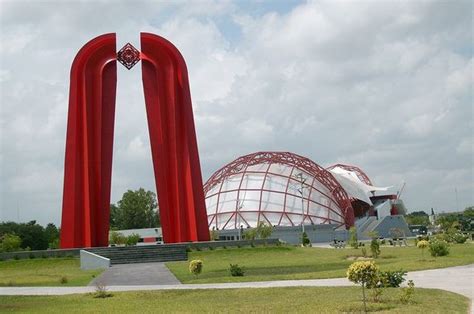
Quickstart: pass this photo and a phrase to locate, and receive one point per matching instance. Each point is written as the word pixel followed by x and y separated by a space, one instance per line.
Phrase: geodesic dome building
pixel 278 188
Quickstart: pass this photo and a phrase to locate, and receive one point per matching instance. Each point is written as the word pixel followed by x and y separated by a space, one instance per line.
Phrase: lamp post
pixel 301 180
pixel 240 204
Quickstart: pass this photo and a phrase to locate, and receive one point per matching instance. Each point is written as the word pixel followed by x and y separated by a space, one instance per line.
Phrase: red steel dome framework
pixel 246 189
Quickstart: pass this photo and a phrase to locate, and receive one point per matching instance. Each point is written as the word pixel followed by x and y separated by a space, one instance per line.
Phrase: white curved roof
pixel 353 185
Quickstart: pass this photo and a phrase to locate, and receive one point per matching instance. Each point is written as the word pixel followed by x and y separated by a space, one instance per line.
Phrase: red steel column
pixel 173 141
pixel 89 141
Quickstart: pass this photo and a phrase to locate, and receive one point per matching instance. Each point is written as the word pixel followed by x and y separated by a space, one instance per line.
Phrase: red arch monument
pixel 89 141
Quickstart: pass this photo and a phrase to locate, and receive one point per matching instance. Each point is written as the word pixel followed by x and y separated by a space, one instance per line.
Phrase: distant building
pixel 147 235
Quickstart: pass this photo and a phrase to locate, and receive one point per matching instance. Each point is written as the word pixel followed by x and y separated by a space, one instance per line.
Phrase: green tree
pixel 363 273
pixel 353 241
pixel 264 230
pixel 137 209
pixel 417 218
pixel 52 235
pixel 33 236
pixel 115 220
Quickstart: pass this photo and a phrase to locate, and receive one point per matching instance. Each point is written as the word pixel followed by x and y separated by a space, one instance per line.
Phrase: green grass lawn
pixel 274 300
pixel 44 272
pixel 282 263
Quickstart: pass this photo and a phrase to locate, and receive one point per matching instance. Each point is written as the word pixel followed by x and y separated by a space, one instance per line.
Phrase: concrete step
pixel 142 254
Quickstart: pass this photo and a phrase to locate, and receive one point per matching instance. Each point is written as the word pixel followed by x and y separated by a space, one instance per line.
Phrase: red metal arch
pixel 89 141
pixel 173 141
pixel 360 174
pixel 338 194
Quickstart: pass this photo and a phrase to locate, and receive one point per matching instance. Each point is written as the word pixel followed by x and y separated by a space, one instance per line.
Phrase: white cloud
pixel 386 86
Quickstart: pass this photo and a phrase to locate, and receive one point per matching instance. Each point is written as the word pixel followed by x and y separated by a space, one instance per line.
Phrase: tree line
pixel 463 221
pixel 28 236
pixel 137 209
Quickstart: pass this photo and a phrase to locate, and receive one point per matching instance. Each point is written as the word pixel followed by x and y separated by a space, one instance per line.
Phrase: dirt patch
pixel 358 258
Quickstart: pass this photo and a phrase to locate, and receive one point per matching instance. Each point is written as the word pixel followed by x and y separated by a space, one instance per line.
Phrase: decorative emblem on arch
pixel 128 56
pixel 89 141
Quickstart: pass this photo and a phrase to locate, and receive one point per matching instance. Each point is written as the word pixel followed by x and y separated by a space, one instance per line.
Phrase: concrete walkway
pixel 136 275
pixel 458 279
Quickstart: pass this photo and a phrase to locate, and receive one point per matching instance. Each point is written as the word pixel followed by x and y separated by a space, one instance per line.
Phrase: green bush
pixel 236 270
pixel 392 279
pixel 63 280
pixel 459 238
pixel 132 239
pixel 438 248
pixel 305 240
pixel 214 235
pixel 250 234
pixel 422 244
pixel 101 291
pixel 10 242
pixel 407 292
pixel 195 267
pixel 116 238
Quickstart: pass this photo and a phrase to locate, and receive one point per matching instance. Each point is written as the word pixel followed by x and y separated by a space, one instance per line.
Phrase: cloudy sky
pixel 385 85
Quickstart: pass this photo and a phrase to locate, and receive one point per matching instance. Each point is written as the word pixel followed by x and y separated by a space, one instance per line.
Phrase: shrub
pixel 392 279
pixel 407 293
pixel 459 238
pixel 422 244
pixel 195 267
pixel 63 280
pixel 132 239
pixel 375 248
pixel 116 238
pixel 438 248
pixel 101 291
pixel 353 238
pixel 214 235
pixel 304 239
pixel 236 270
pixel 250 234
pixel 54 244
pixel 363 273
pixel 10 243
pixel 377 291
